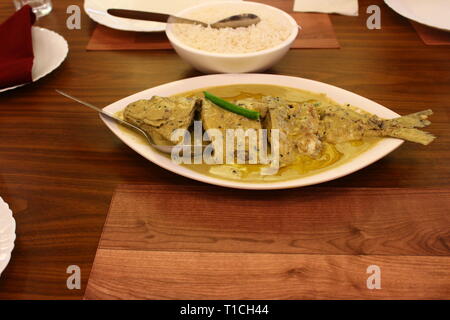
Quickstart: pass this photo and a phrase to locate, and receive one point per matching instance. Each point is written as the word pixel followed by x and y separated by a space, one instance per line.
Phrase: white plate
pixel 380 150
pixel 50 50
pixel 7 234
pixel 433 13
pixel 96 10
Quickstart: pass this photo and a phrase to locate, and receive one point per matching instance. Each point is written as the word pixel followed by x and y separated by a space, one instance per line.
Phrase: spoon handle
pixel 151 16
pixel 103 113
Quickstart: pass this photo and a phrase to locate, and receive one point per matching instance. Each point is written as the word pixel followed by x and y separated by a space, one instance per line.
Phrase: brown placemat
pixel 207 242
pixel 431 36
pixel 317 32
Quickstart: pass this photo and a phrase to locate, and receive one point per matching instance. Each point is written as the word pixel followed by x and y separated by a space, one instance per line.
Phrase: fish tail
pixel 413 120
pixel 410 134
pixel 405 127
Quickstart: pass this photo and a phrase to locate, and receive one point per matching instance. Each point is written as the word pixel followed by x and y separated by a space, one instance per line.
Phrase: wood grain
pixel 59 165
pixel 306 220
pixel 431 36
pixel 311 243
pixel 123 274
pixel 104 38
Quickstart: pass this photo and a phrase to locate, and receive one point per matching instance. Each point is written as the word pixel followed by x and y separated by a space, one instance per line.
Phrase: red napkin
pixel 16 48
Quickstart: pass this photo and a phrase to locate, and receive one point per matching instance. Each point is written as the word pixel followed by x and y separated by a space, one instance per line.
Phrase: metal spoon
pixel 103 114
pixel 236 21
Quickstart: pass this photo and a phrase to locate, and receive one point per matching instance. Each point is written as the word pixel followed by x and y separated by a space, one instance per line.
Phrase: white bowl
pixel 209 62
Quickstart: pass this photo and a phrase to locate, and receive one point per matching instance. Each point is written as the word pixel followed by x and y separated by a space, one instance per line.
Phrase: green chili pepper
pixel 251 114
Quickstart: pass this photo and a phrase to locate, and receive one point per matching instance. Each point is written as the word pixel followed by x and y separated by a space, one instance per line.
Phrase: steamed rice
pixel 272 30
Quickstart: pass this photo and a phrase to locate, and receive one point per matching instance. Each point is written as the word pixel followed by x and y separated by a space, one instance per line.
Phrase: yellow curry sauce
pixel 331 157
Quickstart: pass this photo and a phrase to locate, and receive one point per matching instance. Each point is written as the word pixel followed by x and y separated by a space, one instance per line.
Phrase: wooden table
pixel 59 165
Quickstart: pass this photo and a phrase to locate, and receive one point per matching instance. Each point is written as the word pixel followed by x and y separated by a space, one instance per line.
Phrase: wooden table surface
pixel 59 165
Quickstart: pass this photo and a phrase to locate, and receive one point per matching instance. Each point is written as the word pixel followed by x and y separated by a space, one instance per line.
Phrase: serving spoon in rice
pixel 236 21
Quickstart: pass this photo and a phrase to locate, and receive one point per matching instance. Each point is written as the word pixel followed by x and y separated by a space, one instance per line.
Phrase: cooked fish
pixel 298 125
pixel 305 126
pixel 340 124
pixel 160 116
pixel 214 117
pixel 253 104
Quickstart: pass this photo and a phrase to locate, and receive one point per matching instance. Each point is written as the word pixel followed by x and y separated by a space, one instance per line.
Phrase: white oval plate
pixel 7 234
pixel 50 50
pixel 96 10
pixel 433 13
pixel 381 149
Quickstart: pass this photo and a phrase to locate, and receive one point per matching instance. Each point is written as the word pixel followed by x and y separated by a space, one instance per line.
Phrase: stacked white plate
pixel 7 234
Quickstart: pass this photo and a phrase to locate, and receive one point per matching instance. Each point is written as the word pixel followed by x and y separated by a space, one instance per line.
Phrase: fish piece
pixel 304 127
pixel 341 124
pixel 298 125
pixel 253 104
pixel 160 116
pixel 215 117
